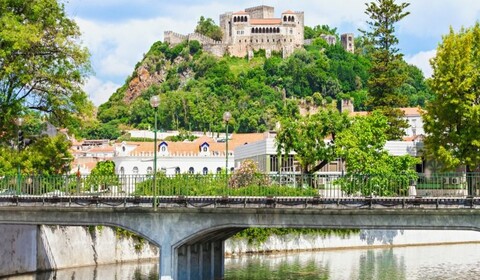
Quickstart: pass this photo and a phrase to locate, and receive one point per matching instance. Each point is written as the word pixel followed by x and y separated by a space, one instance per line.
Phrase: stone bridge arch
pixel 192 238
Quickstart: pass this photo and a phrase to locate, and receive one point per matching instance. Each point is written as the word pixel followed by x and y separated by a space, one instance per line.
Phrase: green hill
pixel 196 87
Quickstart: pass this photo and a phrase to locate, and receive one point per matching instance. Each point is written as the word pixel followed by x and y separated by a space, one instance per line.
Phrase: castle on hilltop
pixel 253 29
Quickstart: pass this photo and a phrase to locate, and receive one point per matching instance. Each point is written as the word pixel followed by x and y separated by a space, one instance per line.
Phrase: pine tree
pixel 387 74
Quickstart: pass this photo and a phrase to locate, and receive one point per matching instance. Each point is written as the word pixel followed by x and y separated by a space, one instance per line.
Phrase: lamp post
pixel 19 123
pixel 155 101
pixel 226 117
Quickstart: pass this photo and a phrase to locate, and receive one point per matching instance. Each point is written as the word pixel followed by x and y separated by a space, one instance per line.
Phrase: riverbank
pixel 362 239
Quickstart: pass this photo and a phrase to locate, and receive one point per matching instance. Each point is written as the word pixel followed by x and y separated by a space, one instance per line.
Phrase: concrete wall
pixel 31 248
pixel 17 246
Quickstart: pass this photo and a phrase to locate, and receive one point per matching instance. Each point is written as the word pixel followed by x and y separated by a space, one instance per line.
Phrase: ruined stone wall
pixel 173 38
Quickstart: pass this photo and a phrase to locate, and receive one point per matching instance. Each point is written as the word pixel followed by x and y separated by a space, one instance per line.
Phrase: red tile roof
pixel 192 148
pixel 265 21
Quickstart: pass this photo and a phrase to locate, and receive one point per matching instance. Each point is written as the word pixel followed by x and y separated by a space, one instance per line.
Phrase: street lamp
pixel 226 117
pixel 19 123
pixel 155 101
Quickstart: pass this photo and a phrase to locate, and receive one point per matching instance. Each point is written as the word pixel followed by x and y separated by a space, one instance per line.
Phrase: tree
pixel 387 74
pixel 208 28
pixel 452 118
pixel 318 30
pixel 102 176
pixel 312 137
pixel 42 64
pixel 47 156
pixel 368 164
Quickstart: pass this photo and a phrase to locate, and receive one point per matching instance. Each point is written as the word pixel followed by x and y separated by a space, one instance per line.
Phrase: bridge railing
pixel 286 184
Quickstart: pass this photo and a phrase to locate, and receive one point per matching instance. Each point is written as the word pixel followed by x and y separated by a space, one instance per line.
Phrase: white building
pixel 205 155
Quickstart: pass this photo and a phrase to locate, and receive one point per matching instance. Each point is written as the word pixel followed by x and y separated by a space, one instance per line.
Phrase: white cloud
pixel 422 61
pixel 99 91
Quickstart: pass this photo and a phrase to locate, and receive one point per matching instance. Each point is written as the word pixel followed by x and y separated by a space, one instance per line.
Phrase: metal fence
pixel 294 185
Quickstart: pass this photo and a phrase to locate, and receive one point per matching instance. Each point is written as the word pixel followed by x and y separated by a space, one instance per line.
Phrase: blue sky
pixel 119 32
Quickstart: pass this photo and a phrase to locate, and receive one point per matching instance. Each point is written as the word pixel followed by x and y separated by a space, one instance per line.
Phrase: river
pixel 421 262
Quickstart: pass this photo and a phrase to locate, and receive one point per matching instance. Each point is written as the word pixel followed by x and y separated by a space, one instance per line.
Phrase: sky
pixel 118 32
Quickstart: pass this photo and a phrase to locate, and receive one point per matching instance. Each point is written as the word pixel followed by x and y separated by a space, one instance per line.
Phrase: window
pixel 122 170
pixel 135 170
pixel 205 171
pixel 149 170
pixel 219 169
pixel 163 149
pixel 123 148
pixel 177 170
pixel 191 170
pixel 205 149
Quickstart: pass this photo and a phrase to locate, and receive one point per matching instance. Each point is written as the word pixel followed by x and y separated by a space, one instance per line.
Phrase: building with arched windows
pixel 204 155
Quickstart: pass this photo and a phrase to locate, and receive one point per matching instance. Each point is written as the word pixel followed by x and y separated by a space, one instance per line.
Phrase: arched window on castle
pixel 234 19
pixel 253 30
pixel 284 18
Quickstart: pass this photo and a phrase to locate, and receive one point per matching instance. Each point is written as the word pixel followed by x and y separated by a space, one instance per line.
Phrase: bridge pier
pixel 200 261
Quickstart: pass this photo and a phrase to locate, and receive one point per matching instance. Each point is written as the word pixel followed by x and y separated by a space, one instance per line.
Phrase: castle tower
pixel 348 42
pixel 261 11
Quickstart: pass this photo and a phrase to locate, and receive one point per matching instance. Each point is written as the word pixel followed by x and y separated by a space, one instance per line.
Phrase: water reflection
pixel 404 263
pixel 130 271
pixel 432 262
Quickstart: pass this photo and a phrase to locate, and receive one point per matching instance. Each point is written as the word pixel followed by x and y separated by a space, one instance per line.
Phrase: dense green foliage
pixel 318 30
pixel 42 64
pixel 216 185
pixel 46 156
pixel 208 28
pixel 452 120
pixel 388 72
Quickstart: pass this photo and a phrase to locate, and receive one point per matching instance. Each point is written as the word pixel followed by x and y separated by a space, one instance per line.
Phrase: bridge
pixel 190 229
